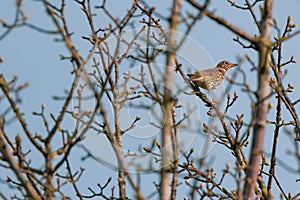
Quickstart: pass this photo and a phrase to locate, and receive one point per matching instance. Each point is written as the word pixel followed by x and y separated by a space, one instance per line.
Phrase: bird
pixel 210 79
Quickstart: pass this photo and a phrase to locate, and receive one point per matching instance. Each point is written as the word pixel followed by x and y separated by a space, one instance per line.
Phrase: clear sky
pixel 34 57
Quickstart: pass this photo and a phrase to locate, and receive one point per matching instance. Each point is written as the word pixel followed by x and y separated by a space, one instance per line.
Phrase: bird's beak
pixel 233 65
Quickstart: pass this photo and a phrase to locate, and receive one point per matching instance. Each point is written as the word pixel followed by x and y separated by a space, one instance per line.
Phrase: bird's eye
pixel 225 62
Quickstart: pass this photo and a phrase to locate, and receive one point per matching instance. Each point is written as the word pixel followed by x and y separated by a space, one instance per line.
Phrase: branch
pixel 263 93
pixel 168 101
pixel 223 22
pixel 9 157
pixel 5 88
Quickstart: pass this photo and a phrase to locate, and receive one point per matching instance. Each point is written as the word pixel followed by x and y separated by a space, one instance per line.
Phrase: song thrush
pixel 210 79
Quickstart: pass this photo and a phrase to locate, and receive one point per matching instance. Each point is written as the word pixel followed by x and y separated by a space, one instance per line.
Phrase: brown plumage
pixel 210 79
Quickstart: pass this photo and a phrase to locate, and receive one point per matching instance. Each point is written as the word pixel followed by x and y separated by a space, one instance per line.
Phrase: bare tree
pixel 130 62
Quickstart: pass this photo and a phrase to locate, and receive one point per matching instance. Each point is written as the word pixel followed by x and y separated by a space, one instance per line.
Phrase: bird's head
pixel 225 65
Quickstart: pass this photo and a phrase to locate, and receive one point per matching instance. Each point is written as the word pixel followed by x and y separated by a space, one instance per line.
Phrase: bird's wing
pixel 200 75
pixel 197 74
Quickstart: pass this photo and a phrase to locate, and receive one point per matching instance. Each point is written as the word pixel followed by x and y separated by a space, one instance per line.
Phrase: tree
pixel 122 69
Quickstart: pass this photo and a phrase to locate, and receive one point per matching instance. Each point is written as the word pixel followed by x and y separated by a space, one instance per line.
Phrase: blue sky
pixel 34 57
